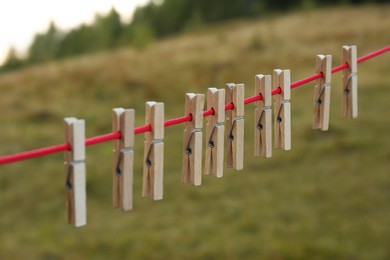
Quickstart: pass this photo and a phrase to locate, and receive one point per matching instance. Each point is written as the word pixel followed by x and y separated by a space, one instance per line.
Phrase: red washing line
pixel 147 128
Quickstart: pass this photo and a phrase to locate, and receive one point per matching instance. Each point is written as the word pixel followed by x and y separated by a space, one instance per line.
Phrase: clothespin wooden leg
pixel 154 152
pixel 122 192
pixel 235 126
pixel 76 201
pixel 263 116
pixel 282 110
pixel 322 93
pixel 192 143
pixel 350 81
pixel 214 132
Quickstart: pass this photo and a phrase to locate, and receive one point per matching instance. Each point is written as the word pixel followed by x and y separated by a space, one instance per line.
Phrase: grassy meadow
pixel 327 198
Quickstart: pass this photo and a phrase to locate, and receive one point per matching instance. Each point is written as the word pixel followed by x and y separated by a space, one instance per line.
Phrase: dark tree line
pixel 153 21
pixel 173 16
pixel 106 32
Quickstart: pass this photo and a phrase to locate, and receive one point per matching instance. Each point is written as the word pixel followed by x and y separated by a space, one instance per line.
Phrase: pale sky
pixel 21 19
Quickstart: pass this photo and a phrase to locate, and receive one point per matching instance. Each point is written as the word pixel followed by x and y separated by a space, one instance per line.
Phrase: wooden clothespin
pixel 322 93
pixel 76 201
pixel 154 152
pixel 282 109
pixel 263 116
pixel 350 81
pixel 214 132
pixel 192 142
pixel 235 126
pixel 122 190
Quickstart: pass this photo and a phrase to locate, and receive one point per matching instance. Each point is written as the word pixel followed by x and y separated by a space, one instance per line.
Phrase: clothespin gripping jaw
pixel 350 83
pixel 235 126
pixel 263 116
pixel 215 132
pixel 154 152
pixel 192 140
pixel 322 93
pixel 75 172
pixel 122 192
pixel 282 109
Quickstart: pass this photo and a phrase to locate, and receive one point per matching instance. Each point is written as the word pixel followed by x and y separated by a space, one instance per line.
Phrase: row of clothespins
pixel 225 128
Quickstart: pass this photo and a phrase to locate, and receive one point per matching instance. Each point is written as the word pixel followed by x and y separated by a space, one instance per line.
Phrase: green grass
pixel 327 198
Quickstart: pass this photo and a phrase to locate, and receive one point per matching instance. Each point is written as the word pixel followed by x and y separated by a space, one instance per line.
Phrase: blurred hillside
pixel 156 20
pixel 327 198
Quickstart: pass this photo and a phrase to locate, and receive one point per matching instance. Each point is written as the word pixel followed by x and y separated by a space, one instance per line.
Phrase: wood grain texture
pixel 350 83
pixel 263 117
pixel 76 201
pixel 235 94
pixel 322 91
pixel 192 140
pixel 122 192
pixel 282 109
pixel 215 133
pixel 154 152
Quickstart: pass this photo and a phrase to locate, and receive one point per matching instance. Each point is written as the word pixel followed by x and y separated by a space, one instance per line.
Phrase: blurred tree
pixel 165 19
pixel 282 5
pixel 142 35
pixel 195 21
pixel 77 41
pixel 105 33
pixel 45 46
pixel 307 4
pixel 108 29
pixel 12 61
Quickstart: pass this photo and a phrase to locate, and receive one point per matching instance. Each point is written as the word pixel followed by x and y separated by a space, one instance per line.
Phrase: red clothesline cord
pixel 146 128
